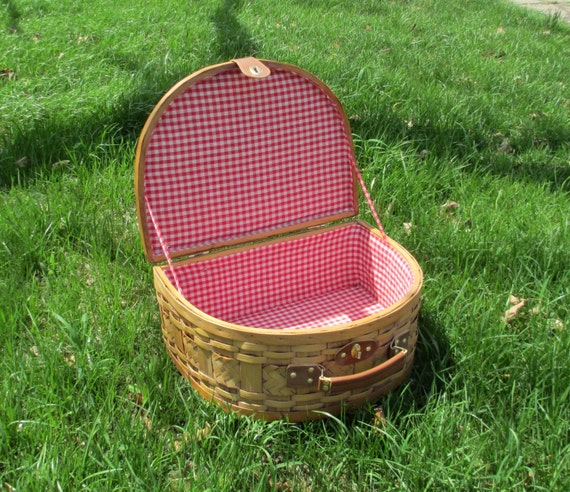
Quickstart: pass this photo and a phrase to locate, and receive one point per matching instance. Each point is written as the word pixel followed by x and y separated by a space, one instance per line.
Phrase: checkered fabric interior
pixel 326 279
pixel 233 156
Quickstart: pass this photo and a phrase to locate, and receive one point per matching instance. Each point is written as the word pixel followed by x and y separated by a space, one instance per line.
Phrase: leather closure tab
pixel 356 352
pixel 303 375
pixel 252 67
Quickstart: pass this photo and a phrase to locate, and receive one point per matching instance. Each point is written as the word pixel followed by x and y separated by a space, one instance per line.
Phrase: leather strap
pixel 164 247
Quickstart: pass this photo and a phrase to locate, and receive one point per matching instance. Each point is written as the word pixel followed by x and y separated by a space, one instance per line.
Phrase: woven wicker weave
pixel 279 326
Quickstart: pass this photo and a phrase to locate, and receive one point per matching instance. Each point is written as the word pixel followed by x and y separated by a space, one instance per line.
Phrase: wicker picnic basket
pixel 278 305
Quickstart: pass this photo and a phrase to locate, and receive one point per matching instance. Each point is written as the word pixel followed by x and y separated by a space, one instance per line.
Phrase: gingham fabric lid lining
pixel 233 157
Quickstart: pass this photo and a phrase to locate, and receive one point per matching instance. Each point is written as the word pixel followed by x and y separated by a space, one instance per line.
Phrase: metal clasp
pixel 356 351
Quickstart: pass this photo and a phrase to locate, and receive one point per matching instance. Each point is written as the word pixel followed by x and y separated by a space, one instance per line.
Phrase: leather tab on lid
pixel 252 67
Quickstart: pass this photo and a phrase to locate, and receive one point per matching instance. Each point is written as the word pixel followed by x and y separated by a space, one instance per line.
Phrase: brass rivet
pixel 293 375
pixel 343 355
pixel 368 348
pixel 311 370
pixel 310 380
pixel 325 387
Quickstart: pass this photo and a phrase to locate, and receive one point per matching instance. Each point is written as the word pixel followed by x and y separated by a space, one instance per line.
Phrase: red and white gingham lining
pixel 330 278
pixel 234 156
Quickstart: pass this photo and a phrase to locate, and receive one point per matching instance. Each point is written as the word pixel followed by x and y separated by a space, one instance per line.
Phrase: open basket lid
pixel 241 151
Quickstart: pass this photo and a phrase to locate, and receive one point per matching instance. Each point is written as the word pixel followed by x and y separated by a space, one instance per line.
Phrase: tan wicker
pixel 270 324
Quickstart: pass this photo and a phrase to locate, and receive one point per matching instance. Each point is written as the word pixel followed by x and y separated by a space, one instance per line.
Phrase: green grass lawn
pixel 461 116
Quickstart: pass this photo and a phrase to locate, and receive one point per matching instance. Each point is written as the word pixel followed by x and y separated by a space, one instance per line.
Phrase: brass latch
pixel 356 352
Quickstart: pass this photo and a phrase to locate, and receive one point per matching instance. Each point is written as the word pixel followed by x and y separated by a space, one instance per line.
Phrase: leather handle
pixel 364 379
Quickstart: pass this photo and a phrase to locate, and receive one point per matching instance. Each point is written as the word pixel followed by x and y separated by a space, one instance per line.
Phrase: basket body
pixel 245 364
pixel 275 325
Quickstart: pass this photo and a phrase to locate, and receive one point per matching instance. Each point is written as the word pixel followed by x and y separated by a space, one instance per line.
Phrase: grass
pixel 449 101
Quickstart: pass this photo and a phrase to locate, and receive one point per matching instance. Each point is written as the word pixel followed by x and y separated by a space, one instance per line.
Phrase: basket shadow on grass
pixel 530 156
pixel 47 145
pixel 233 40
pixel 13 20
pixel 122 122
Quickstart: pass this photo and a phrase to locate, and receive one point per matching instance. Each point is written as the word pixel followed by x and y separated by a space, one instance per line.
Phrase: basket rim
pixel 298 335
